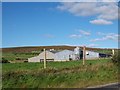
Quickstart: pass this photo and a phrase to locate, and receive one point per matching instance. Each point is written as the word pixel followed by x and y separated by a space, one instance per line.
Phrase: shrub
pixel 25 61
pixel 116 58
pixel 18 58
pixel 4 60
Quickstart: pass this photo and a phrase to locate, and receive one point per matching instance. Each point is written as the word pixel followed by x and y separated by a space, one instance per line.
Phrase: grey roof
pixel 58 51
pixel 54 51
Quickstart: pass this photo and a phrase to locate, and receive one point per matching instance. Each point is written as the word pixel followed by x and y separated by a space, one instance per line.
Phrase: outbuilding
pixel 40 57
pixel 66 55
pixel 91 55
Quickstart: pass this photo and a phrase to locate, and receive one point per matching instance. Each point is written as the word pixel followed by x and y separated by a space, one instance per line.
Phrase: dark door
pixel 81 55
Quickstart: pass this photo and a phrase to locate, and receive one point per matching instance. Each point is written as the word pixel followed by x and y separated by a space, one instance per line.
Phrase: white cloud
pixel 98 39
pixel 103 11
pixel 100 33
pixel 80 34
pixel 101 22
pixel 108 11
pixel 88 0
pixel 83 32
pixel 92 45
pixel 75 36
pixel 109 36
pixel 58 0
pixel 78 9
pixel 112 36
pixel 109 0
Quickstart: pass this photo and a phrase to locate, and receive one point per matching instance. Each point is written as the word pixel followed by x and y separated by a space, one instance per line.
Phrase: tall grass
pixel 59 74
pixel 35 66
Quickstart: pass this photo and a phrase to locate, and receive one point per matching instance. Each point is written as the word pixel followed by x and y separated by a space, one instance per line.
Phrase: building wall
pixel 34 59
pixel 49 55
pixel 78 53
pixel 40 57
pixel 91 55
pixel 64 55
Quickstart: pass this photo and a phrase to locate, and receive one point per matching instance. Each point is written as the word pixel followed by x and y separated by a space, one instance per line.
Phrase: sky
pixel 59 23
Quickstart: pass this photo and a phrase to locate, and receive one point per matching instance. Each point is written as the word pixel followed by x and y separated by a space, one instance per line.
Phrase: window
pixel 87 53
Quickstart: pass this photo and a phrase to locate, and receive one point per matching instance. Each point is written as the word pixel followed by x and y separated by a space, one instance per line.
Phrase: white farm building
pixel 40 57
pixel 64 55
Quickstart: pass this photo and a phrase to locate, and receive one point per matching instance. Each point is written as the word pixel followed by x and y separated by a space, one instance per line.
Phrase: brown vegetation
pixel 40 48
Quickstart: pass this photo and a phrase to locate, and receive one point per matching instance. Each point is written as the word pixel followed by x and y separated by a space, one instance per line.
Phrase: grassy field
pixel 59 74
pixel 18 56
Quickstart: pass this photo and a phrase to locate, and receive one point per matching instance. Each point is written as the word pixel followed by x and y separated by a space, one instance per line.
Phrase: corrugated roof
pixel 58 51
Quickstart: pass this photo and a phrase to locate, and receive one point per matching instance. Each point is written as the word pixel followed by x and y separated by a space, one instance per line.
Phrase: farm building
pixel 40 57
pixel 66 55
pixel 91 55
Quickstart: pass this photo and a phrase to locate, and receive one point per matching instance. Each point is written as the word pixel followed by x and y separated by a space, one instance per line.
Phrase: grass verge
pixel 59 74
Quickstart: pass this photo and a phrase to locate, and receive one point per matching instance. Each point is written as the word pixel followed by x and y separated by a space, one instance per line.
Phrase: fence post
pixel 84 54
pixel 44 58
pixel 113 51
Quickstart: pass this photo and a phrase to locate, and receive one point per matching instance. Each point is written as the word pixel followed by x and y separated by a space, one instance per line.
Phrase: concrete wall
pixel 92 55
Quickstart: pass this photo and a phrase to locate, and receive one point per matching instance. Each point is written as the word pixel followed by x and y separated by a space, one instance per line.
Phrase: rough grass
pixel 59 74
pixel 36 66
pixel 14 56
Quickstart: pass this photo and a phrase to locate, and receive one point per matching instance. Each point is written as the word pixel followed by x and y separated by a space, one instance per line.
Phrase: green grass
pixel 59 74
pixel 23 56
pixel 58 65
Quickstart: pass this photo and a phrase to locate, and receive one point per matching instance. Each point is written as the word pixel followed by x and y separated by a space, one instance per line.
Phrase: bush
pixel 5 60
pixel 25 61
pixel 18 58
pixel 116 58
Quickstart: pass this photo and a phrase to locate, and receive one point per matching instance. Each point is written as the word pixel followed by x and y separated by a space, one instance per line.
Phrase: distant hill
pixel 39 48
pixel 35 48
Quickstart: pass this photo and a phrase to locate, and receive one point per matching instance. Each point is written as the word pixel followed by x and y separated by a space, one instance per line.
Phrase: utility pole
pixel 84 54
pixel 44 58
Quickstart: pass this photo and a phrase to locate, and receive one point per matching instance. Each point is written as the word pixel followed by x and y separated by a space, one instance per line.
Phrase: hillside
pixel 35 48
pixel 39 48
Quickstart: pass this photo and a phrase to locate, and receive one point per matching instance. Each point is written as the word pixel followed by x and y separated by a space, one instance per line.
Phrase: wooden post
pixel 44 58
pixel 113 51
pixel 84 54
